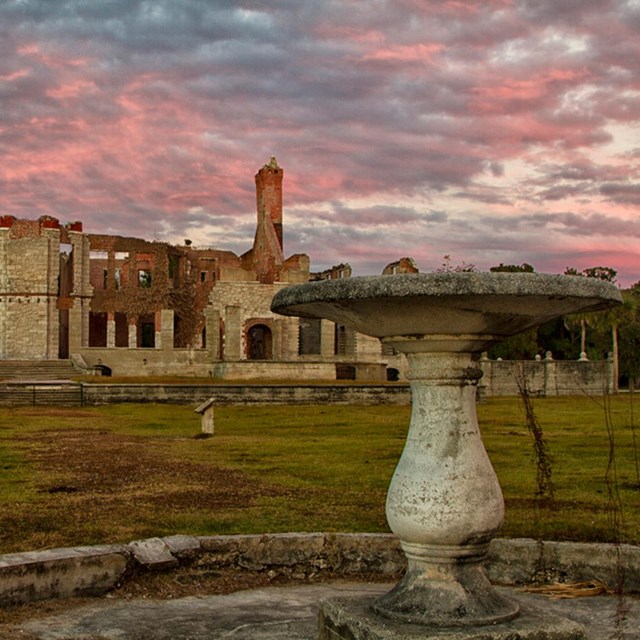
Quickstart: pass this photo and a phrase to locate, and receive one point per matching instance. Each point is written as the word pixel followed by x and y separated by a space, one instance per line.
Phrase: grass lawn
pixel 122 472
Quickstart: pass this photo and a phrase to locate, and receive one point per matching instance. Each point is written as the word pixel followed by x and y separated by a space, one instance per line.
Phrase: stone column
pixel 53 329
pixel 232 333
pixel 53 273
pixel 327 338
pixel 367 348
pixel 611 373
pixel 278 338
pixel 484 387
pixel 111 330
pixel 164 337
pixel 550 375
pixel 85 312
pixel 286 339
pixel 133 333
pixel 83 291
pixel 75 327
pixel 212 320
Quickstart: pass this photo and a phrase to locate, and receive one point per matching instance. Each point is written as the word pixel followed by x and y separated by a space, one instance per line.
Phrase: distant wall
pixel 544 378
pixel 548 377
pixel 151 362
pixel 246 394
pixel 200 363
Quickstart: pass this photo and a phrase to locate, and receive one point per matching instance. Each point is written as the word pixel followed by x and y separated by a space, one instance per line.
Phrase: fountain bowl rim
pixel 447 284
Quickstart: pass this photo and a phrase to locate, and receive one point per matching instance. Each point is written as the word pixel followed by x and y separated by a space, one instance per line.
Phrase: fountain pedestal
pixel 444 502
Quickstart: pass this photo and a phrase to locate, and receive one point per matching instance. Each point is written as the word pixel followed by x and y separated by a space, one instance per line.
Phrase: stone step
pixel 36 370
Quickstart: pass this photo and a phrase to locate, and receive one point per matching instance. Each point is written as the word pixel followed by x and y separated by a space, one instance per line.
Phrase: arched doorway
pixel 259 343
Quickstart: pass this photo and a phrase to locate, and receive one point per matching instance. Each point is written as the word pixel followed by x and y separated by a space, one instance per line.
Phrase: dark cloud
pixel 625 194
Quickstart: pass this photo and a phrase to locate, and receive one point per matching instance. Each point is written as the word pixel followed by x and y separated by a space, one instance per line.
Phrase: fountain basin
pixel 445 311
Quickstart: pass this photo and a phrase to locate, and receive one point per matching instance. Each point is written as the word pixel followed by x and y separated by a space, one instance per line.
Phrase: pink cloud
pixel 71 89
pixel 406 53
pixel 59 60
pixel 508 95
pixel 10 77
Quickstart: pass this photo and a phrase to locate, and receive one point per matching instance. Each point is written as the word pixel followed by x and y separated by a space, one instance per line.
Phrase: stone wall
pixel 93 571
pixel 238 306
pixel 226 394
pixel 28 281
pixel 44 296
pixel 547 377
pixel 151 362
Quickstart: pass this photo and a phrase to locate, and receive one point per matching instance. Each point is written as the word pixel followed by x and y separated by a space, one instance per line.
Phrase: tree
pixel 447 267
pixel 629 335
pixel 579 318
pixel 602 273
pixel 513 268
pixel 608 274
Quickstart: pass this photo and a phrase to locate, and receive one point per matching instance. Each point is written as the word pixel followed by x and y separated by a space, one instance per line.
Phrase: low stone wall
pixel 548 377
pixel 94 394
pixel 274 370
pixel 93 571
pixel 150 362
pixel 544 378
pixel 200 363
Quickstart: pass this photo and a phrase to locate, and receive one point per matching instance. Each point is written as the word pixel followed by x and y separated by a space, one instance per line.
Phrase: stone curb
pixel 93 571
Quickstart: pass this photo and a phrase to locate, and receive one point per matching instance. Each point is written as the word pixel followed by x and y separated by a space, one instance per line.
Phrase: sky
pixel 490 131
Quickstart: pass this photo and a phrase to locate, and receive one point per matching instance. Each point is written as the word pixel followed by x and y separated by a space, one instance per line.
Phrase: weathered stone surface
pixel 523 560
pixel 235 394
pixel 182 546
pixel 272 613
pixel 513 561
pixel 485 305
pixel 353 619
pixel 93 570
pixel 547 377
pixel 152 553
pixel 365 553
pixel 60 573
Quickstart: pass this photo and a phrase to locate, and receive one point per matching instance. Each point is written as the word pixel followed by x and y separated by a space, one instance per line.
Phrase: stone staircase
pixel 38 382
pixel 36 370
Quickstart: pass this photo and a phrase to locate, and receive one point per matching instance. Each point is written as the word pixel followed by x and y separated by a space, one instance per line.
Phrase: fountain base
pixel 355 619
pixel 454 595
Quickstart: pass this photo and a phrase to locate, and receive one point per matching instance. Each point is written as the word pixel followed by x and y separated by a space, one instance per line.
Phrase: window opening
pixel 144 278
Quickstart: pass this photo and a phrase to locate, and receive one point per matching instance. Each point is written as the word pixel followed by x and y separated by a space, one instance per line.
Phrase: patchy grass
pixel 122 472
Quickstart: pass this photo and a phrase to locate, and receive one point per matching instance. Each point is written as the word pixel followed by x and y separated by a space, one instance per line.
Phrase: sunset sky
pixel 489 130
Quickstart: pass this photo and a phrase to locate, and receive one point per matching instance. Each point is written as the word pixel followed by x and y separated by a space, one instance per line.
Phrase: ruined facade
pixel 136 308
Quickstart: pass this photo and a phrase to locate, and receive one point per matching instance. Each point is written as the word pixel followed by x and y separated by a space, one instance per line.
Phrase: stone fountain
pixel 444 502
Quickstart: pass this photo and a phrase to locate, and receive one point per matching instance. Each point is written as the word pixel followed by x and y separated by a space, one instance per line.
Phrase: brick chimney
pixel 269 196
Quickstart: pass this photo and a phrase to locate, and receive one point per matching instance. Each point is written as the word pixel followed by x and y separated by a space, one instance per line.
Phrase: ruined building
pixel 133 307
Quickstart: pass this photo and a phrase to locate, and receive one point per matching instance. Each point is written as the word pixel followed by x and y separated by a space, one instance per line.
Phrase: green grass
pixel 121 472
